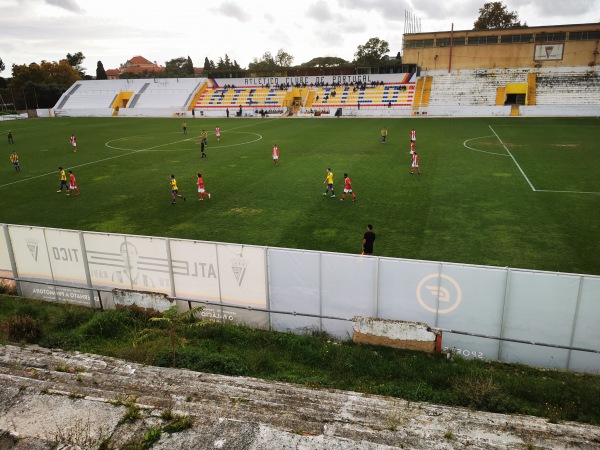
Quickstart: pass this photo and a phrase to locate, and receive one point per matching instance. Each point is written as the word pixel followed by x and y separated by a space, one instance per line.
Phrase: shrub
pixel 24 329
pixel 71 317
pixel 8 287
pixel 66 340
pixel 109 324
pixel 200 360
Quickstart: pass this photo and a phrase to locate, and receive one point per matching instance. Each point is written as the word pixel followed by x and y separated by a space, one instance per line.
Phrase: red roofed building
pixel 137 65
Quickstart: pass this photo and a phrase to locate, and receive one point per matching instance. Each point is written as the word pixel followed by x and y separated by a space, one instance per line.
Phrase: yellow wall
pixel 122 99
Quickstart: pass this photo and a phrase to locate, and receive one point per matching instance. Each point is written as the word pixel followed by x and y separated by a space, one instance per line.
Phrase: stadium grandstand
pixel 531 71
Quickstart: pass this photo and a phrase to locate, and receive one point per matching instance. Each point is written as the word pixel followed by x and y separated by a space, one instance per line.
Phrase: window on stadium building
pixel 445 42
pixel 418 43
pixel 516 38
pixel 482 40
pixel 584 35
pixel 550 37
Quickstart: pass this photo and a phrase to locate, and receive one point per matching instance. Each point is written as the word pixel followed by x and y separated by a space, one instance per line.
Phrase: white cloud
pixel 227 10
pixel 113 31
pixel 69 5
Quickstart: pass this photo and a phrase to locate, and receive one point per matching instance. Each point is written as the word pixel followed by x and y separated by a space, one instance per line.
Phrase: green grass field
pixel 517 192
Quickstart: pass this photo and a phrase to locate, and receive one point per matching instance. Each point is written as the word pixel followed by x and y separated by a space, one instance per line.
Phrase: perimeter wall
pixel 297 290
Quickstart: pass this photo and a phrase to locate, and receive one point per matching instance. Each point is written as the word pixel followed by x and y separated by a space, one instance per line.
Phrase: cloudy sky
pixel 113 31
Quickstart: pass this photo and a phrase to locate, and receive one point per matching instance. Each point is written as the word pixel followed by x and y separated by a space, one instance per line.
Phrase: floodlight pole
pixel 450 57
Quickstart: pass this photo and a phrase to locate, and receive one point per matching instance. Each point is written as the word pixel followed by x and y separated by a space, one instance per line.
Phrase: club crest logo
pixel 549 49
pixel 239 266
pixel 33 247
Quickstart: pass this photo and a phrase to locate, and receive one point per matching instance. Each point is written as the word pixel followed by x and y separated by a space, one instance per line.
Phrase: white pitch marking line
pixel 568 192
pixel 482 151
pixel 513 158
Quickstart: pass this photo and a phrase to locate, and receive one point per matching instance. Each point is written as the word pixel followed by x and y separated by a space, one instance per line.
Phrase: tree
pixel 283 59
pixel 190 67
pixel 265 62
pixel 100 72
pixel 326 61
pixel 208 65
pixel 177 68
pixel 372 52
pixel 2 66
pixel 496 15
pixel 61 74
pixel 75 62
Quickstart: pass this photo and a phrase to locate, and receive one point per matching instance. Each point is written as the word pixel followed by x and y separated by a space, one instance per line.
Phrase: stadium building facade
pixel 526 47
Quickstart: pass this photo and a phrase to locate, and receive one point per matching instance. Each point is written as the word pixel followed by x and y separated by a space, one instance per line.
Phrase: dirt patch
pixel 113 402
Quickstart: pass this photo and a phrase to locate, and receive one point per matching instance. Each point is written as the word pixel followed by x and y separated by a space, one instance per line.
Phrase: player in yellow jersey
pixel 62 176
pixel 14 159
pixel 384 133
pixel 174 191
pixel 329 183
pixel 204 137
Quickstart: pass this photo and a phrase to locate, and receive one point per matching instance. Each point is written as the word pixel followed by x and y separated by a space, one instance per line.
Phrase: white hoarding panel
pixel 407 291
pixel 32 261
pixel 348 289
pixel 195 270
pixel 66 256
pixel 540 308
pixel 4 257
pixel 128 262
pixel 31 256
pixel 242 275
pixel 587 331
pixel 473 301
pixel 5 266
pixel 294 287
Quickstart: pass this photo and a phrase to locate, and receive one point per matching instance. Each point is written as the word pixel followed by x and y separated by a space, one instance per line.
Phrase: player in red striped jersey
pixel 415 164
pixel 348 188
pixel 201 191
pixel 275 154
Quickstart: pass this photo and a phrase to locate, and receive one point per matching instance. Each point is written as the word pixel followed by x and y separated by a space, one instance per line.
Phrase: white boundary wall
pixel 313 290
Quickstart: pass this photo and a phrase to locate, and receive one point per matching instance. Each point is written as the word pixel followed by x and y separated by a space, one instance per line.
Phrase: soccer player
pixel 174 191
pixel 412 147
pixel 413 135
pixel 202 149
pixel 73 141
pixel 383 135
pixel 184 126
pixel 72 184
pixel 275 155
pixel 14 159
pixel 218 133
pixel 62 177
pixel 329 183
pixel 415 164
pixel 368 239
pixel 204 137
pixel 201 191
pixel 347 188
pixel 10 137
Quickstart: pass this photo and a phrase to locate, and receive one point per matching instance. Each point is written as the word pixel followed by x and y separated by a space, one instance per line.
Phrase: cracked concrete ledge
pixel 55 399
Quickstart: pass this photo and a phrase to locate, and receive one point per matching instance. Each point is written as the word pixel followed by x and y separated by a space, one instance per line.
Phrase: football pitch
pixel 517 192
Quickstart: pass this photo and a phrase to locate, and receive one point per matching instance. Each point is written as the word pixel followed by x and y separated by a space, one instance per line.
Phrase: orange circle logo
pixel 439 293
